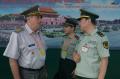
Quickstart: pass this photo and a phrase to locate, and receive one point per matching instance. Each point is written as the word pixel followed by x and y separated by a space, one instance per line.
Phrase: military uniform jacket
pixel 22 47
pixel 68 47
pixel 92 47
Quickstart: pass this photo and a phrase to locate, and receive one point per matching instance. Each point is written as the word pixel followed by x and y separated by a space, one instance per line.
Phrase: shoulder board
pixel 77 37
pixel 65 36
pixel 20 29
pixel 100 34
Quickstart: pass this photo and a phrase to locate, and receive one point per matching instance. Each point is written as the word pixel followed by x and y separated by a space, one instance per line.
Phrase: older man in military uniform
pixel 26 48
pixel 93 49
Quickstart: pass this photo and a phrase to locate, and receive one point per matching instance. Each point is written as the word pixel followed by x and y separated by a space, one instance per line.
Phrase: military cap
pixel 33 11
pixel 87 14
pixel 70 22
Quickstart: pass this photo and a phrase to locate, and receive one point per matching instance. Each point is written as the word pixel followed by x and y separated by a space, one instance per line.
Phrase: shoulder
pixel 16 33
pixel 101 35
pixel 102 39
pixel 19 29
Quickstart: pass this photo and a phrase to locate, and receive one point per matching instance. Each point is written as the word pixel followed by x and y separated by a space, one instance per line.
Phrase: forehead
pixel 82 19
pixel 35 16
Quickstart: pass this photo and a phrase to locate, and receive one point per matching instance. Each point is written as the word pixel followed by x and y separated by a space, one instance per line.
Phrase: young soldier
pixel 67 62
pixel 93 49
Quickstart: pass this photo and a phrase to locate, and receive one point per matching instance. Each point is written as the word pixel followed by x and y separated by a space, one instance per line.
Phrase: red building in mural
pixel 50 16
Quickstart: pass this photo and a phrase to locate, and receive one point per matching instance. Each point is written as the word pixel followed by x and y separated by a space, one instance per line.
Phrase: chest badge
pixel 105 44
pixel 33 53
pixel 42 52
pixel 85 48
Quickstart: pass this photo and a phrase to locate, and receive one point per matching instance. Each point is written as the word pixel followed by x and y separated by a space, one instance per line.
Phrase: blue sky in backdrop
pixel 65 9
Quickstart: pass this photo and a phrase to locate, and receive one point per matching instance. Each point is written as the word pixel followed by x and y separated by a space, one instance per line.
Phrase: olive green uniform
pixel 92 48
pixel 67 65
pixel 68 47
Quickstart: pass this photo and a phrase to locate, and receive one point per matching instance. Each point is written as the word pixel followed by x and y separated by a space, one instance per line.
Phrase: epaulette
pixel 18 30
pixel 100 34
pixel 65 36
pixel 77 37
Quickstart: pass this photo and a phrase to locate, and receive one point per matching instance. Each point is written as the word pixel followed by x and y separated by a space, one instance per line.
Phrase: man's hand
pixel 76 57
pixel 103 68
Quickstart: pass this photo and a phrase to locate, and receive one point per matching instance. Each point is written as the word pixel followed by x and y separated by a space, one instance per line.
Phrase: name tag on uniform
pixel 31 45
pixel 84 49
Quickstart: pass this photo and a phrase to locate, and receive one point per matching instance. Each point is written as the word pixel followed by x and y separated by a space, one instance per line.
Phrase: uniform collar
pixel 76 37
pixel 30 30
pixel 92 33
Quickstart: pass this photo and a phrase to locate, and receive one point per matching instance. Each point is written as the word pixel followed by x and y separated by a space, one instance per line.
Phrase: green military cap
pixel 87 14
pixel 33 11
pixel 70 22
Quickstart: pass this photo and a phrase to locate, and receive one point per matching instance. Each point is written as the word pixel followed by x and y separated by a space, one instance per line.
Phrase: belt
pixel 83 77
pixel 30 69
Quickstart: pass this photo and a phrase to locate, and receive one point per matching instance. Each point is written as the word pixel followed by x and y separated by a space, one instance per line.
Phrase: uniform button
pixel 32 53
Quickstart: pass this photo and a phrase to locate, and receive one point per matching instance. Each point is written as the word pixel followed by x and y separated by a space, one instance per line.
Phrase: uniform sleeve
pixel 12 50
pixel 103 47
